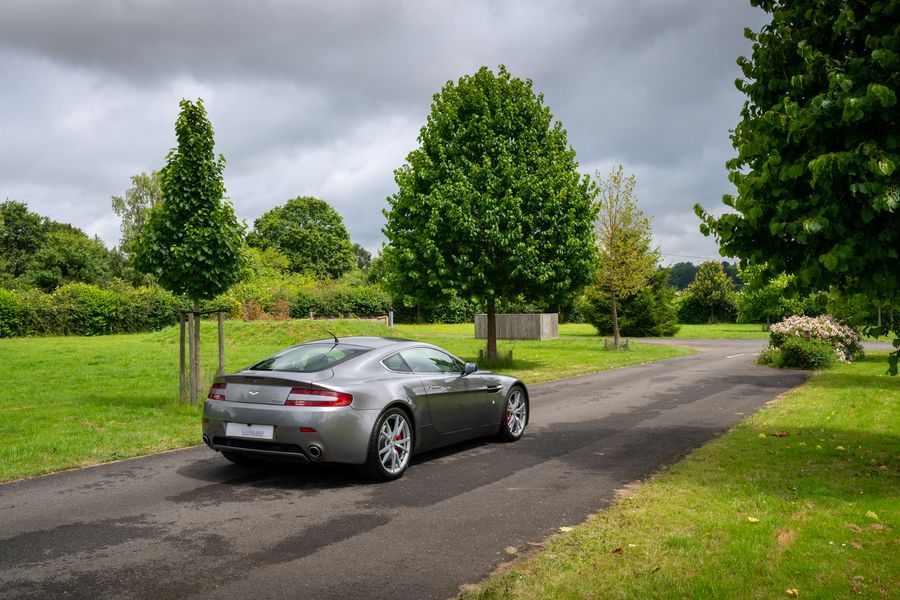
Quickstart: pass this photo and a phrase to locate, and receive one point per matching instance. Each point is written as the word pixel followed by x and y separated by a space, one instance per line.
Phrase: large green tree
pixel 711 289
pixel 818 147
pixel 192 241
pixel 490 206
pixel 134 207
pixel 22 234
pixel 310 233
pixel 682 274
pixel 68 255
pixel 625 242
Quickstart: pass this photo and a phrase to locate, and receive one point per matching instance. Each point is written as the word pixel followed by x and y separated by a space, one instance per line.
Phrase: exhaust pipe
pixel 315 451
pixel 206 440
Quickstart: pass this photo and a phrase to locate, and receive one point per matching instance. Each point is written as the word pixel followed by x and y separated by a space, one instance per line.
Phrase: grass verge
pixel 723 331
pixel 800 500
pixel 75 401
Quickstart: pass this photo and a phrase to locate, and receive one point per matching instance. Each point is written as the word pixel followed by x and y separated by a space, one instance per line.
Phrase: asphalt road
pixel 190 524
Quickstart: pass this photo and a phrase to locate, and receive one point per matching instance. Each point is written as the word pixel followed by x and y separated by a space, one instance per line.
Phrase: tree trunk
pixel 492 330
pixel 192 389
pixel 615 320
pixel 879 317
pixel 221 370
pixel 196 383
pixel 712 314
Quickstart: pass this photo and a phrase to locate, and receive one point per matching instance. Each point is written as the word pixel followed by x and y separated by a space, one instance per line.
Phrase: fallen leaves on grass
pixel 871 514
pixel 792 592
pixel 753 519
pixel 617 550
pixel 565 529
pixel 785 537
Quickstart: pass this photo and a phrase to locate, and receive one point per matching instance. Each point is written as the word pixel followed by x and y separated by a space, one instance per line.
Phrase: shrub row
pixel 84 309
pixel 281 300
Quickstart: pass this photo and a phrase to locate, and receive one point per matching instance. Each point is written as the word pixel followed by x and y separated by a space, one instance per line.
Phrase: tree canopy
pixel 22 233
pixel 134 207
pixel 192 241
pixel 490 205
pixel 67 256
pixel 712 289
pixel 627 258
pixel 310 233
pixel 682 274
pixel 818 146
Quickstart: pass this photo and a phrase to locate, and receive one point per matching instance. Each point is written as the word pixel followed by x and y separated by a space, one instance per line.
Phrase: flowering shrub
pixel 845 340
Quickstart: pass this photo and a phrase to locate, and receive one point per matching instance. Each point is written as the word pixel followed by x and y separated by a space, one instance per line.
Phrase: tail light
pixel 216 392
pixel 309 397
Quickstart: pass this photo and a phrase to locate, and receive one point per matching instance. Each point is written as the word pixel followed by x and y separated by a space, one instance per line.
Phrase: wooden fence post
pixel 221 370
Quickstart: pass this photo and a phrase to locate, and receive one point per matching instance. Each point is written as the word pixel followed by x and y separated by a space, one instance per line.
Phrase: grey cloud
pixel 326 98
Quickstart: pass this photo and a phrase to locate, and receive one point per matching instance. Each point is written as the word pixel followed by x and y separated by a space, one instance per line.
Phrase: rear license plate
pixel 246 430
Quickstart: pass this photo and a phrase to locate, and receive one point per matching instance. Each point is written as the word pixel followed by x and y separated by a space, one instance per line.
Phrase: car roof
pixel 363 340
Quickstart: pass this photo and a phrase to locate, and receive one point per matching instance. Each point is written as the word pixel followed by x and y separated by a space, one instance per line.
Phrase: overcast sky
pixel 326 98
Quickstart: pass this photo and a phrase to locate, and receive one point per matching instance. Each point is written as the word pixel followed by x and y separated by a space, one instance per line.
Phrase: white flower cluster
pixel 846 340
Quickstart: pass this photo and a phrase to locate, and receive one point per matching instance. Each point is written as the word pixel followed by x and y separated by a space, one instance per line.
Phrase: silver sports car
pixel 369 401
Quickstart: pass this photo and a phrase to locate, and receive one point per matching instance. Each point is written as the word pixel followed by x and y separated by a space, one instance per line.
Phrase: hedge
pixel 84 309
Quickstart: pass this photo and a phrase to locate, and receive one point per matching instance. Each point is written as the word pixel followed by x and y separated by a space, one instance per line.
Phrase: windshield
pixel 309 358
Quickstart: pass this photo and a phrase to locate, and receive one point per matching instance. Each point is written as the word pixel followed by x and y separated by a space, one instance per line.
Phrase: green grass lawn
pixel 723 331
pixel 74 401
pixel 801 500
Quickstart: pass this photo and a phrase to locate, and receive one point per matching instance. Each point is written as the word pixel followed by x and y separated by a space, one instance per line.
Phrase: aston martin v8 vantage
pixel 368 401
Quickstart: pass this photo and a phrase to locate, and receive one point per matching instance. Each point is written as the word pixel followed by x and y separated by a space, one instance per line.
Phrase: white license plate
pixel 247 430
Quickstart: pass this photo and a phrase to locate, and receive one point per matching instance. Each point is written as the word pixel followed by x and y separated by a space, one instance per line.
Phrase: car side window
pixel 428 360
pixel 395 362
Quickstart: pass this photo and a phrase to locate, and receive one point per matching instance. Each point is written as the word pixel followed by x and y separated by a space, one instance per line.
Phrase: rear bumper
pixel 342 433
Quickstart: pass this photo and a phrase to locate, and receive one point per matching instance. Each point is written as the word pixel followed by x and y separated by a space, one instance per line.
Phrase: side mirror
pixel 469 368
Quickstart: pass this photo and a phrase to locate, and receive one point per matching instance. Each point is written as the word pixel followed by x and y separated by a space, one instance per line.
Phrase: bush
pixel 844 341
pixel 10 314
pixel 650 312
pixel 800 353
pixel 770 356
pixel 335 299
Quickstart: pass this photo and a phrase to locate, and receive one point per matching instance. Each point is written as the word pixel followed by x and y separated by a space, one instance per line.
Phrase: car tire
pixel 515 415
pixel 242 459
pixel 390 446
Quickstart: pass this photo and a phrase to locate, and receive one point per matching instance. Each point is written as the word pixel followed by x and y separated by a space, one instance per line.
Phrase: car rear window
pixel 309 358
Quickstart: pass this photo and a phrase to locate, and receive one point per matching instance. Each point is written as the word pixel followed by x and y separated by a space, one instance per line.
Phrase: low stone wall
pixel 538 326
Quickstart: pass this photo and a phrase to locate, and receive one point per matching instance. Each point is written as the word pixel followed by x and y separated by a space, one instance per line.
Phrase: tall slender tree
pixel 192 241
pixel 625 241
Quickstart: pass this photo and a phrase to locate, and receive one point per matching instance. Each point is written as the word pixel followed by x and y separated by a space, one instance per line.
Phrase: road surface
pixel 188 524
